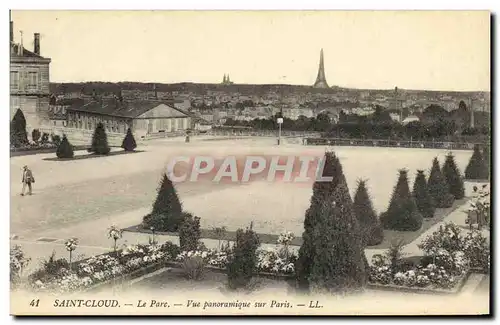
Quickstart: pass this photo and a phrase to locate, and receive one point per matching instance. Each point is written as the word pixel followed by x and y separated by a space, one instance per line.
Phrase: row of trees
pixel 379 125
pixel 99 144
pixel 337 229
pixel 407 209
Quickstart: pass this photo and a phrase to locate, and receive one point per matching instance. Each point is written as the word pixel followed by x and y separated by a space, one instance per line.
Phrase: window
pixel 33 80
pixel 14 80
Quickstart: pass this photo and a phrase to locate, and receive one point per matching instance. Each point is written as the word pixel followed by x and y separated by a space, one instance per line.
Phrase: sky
pixel 433 50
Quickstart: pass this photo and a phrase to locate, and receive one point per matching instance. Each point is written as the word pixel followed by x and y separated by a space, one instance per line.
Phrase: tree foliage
pixel 371 228
pixel 18 135
pixel 438 187
pixel 453 178
pixel 65 149
pixel 242 261
pixel 167 209
pixel 129 143
pixel 402 213
pixel 423 199
pixel 99 144
pixel 477 167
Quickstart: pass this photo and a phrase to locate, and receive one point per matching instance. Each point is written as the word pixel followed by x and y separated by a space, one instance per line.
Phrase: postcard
pixel 250 162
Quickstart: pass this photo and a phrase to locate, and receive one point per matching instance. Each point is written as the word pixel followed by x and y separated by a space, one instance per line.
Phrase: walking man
pixel 28 179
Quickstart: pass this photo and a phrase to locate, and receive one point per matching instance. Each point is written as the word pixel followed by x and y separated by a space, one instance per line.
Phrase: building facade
pixel 29 82
pixel 145 118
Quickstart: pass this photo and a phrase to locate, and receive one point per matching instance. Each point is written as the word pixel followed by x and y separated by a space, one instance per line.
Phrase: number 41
pixel 34 303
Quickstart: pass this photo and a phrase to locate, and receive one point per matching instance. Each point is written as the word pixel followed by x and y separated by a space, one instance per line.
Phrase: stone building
pixel 145 117
pixel 29 82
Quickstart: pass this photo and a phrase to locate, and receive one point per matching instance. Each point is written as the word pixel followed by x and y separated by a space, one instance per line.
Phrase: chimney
pixel 12 31
pixel 37 44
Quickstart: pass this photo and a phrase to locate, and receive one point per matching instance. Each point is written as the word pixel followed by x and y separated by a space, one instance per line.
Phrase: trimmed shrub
pixel 193 267
pixel 423 199
pixel 339 265
pixel 453 178
pixel 402 214
pixel 128 143
pixel 167 209
pixel 56 139
pixel 371 228
pixel 99 144
pixel 45 138
pixel 321 192
pixel 438 188
pixel 242 262
pixel 189 233
pixel 35 135
pixel 487 158
pixel 65 149
pixel 18 134
pixel 477 167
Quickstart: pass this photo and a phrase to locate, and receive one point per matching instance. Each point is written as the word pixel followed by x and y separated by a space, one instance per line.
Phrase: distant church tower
pixel 321 79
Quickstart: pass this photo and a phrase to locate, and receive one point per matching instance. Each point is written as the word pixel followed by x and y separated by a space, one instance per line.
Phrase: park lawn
pixel 389 235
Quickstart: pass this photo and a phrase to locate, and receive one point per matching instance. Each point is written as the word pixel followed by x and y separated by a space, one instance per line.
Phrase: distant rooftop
pixel 125 108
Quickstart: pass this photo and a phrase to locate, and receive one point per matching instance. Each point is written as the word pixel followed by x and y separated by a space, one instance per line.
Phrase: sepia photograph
pixel 250 162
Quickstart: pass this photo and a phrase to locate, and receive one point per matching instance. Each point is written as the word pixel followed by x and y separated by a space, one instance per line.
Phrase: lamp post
pixel 280 121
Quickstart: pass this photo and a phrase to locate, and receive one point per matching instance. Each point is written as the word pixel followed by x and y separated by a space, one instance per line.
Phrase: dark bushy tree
pixel 423 199
pixel 242 261
pixel 322 192
pixel 453 178
pixel 189 233
pixel 371 229
pixel 477 167
pixel 65 149
pixel 402 214
pixel 331 204
pixel 438 188
pixel 35 135
pixel 128 143
pixel 339 263
pixel 18 135
pixel 100 141
pixel 487 158
pixel 167 209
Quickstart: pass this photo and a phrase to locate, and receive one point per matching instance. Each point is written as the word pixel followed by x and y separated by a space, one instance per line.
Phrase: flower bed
pixel 100 269
pixel 270 261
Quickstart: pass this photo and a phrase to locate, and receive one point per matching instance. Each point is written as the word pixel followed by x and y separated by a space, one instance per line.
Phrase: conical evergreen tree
pixel 339 262
pixel 18 135
pixel 423 199
pixel 371 228
pixel 477 167
pixel 487 158
pixel 167 209
pixel 100 141
pixel 402 214
pixel 128 143
pixel 438 187
pixel 453 178
pixel 65 149
pixel 322 192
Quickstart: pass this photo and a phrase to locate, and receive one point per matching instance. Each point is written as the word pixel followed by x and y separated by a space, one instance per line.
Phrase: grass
pixel 92 155
pixel 389 235
pixel 409 236
pixel 174 279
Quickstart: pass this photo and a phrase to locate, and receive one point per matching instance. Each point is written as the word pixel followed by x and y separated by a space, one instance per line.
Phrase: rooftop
pixel 125 108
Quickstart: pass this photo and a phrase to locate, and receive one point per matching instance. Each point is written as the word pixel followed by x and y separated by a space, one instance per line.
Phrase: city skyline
pixel 364 50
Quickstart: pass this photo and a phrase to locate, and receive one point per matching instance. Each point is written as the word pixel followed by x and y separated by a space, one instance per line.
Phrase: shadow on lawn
pixel 92 155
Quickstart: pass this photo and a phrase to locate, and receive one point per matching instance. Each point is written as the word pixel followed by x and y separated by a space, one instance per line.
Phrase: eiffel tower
pixel 321 79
